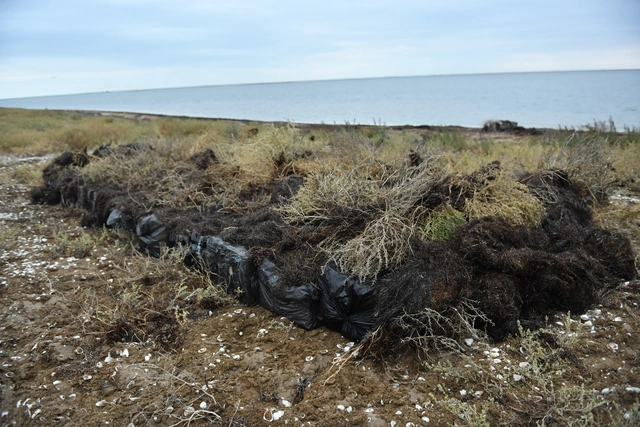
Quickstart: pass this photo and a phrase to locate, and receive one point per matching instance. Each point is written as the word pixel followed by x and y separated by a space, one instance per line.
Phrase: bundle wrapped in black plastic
pixel 152 234
pixel 346 305
pixel 229 265
pixel 298 304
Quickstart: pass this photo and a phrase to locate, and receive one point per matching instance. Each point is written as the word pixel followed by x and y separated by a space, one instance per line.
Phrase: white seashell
pixel 286 403
pixel 308 358
pixel 101 403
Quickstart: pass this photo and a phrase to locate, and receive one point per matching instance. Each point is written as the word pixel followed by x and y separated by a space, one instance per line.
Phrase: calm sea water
pixel 532 99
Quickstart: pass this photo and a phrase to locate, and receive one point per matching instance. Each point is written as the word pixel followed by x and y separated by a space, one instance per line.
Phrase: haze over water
pixel 571 99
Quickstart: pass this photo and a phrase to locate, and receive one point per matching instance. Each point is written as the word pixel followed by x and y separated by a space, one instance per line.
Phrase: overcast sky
pixel 74 46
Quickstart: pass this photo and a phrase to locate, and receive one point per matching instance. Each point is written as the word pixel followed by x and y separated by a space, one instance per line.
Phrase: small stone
pixel 606 390
pixel 286 403
pixel 588 323
pixel 426 419
pixel 463 392
pixel 341 407
pixel 469 342
pixel 584 317
pixel 618 319
pixel 633 389
pixel 517 377
pixel 524 364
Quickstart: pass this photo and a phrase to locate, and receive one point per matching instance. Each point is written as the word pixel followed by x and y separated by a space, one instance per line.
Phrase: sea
pixel 571 99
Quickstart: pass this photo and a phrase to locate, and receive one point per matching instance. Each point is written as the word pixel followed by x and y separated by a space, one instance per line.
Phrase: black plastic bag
pixel 346 305
pixel 230 265
pixel 119 219
pixel 298 304
pixel 151 235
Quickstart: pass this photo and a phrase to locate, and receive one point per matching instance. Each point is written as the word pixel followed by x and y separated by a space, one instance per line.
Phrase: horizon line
pixel 319 80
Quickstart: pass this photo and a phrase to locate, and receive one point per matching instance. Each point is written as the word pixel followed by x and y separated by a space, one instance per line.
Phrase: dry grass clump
pixel 498 194
pixel 334 195
pixel 587 158
pixel 266 155
pixel 384 244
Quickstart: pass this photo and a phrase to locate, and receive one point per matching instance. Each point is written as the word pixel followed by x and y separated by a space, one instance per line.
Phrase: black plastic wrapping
pixel 298 304
pixel 152 234
pixel 346 305
pixel 119 219
pixel 230 265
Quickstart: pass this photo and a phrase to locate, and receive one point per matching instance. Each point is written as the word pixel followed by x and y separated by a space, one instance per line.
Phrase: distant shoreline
pixel 150 116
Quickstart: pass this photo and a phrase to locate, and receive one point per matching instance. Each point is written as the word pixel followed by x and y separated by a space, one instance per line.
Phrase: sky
pixel 50 47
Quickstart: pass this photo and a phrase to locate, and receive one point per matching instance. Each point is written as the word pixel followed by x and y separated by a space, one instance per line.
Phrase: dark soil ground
pixel 244 366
